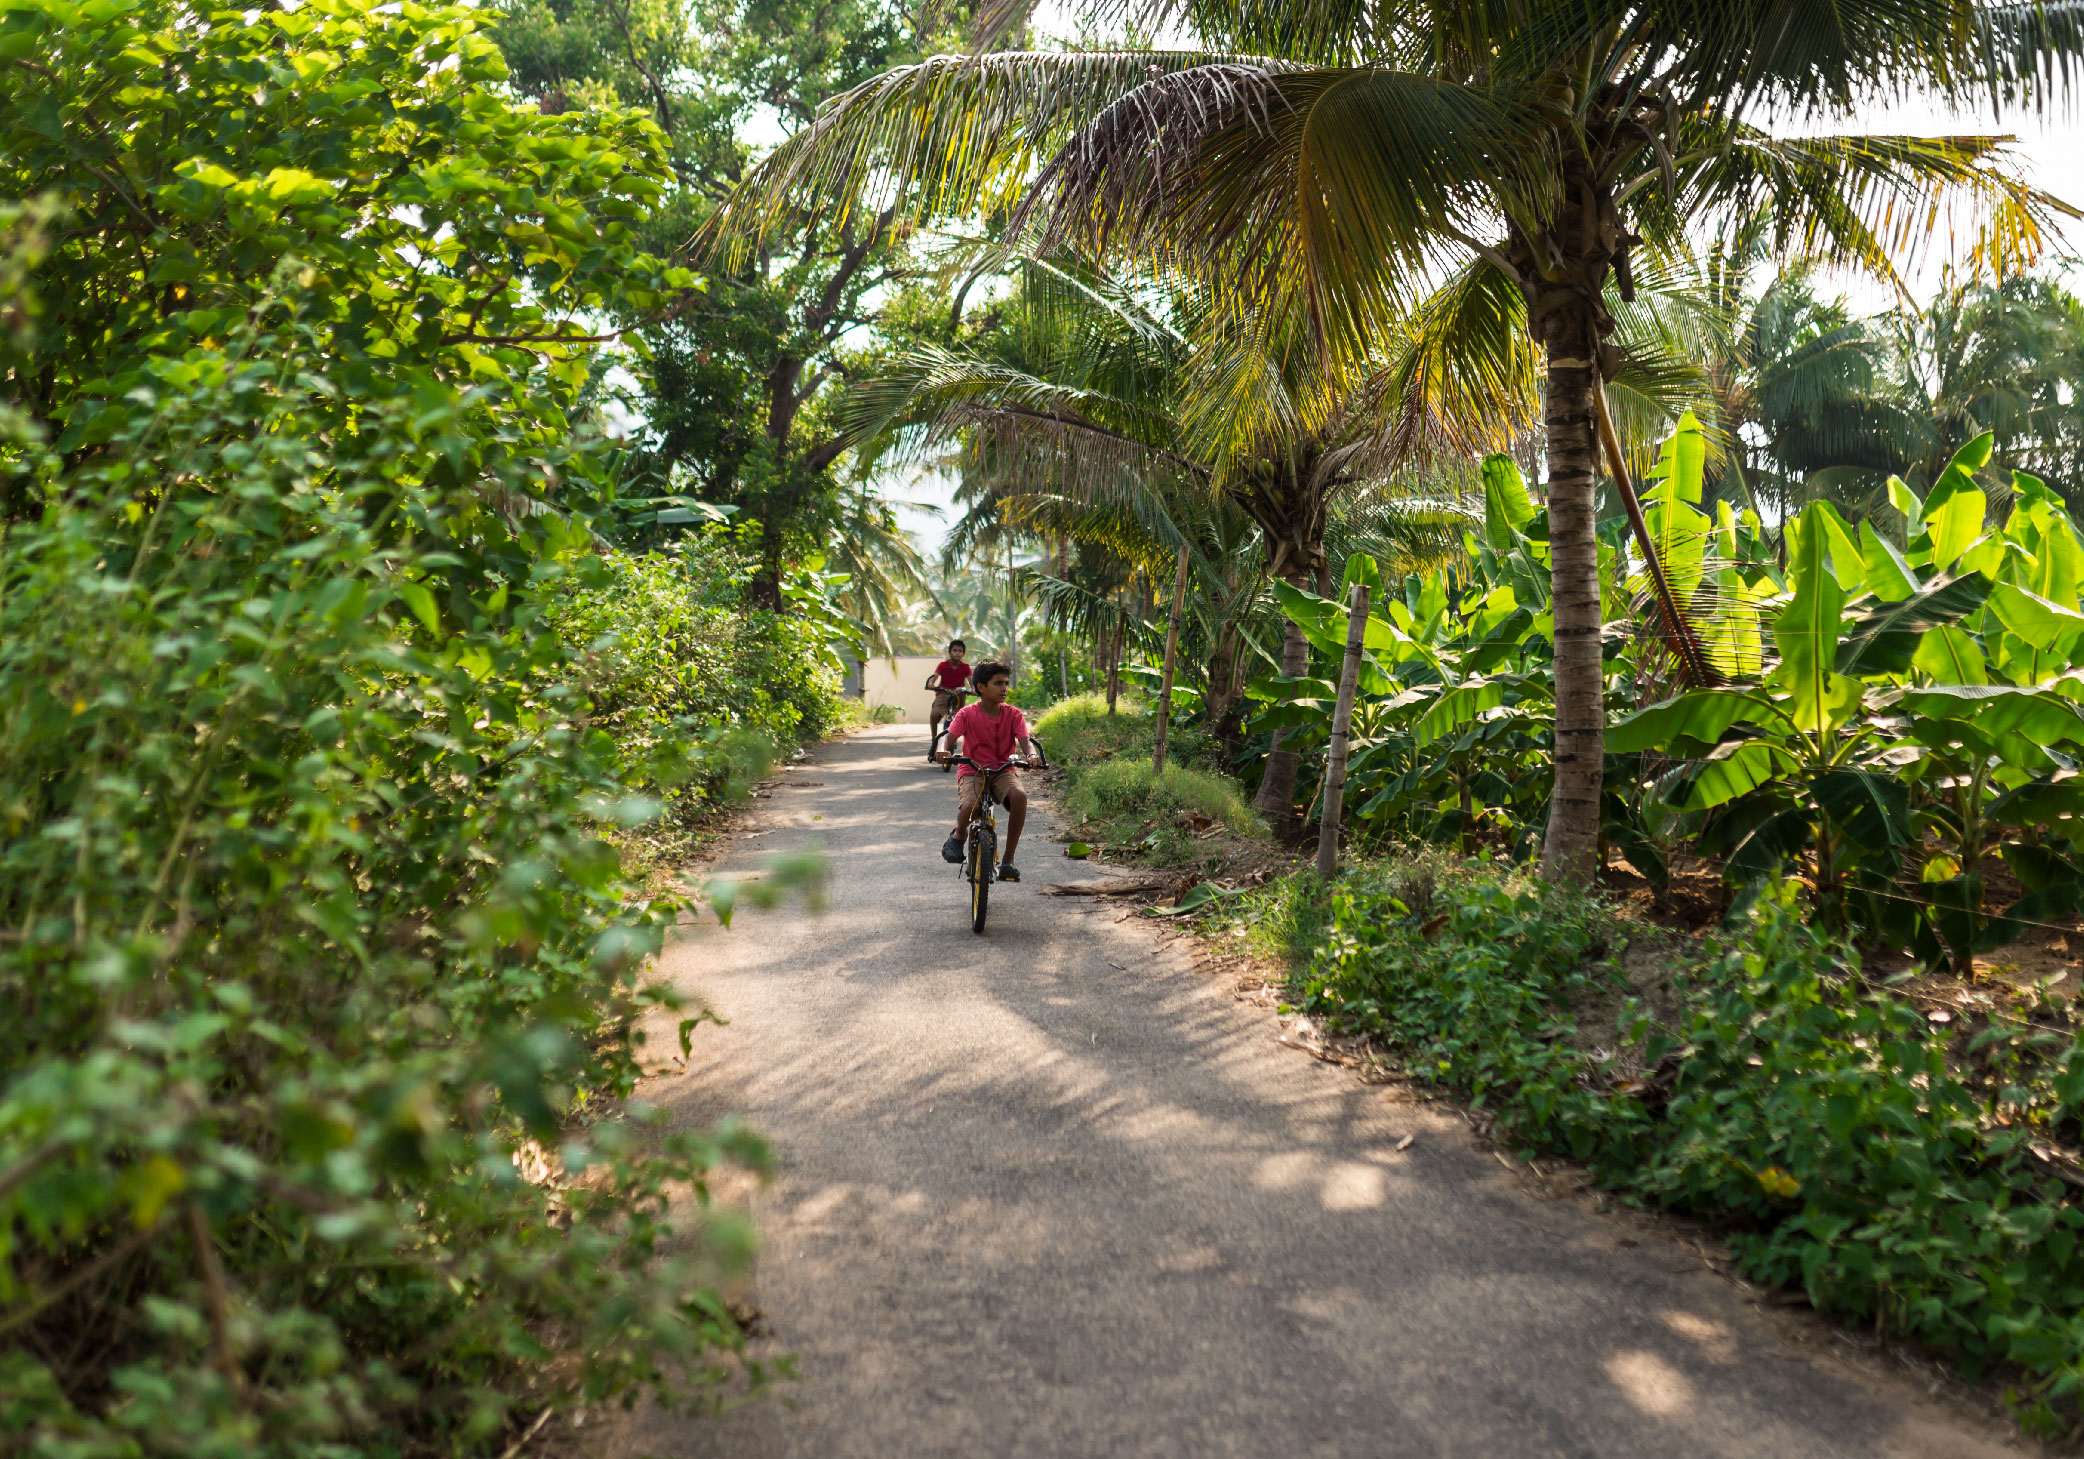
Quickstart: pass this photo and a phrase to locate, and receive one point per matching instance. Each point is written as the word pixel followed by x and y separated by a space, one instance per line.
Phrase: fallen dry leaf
pixel 1406 1143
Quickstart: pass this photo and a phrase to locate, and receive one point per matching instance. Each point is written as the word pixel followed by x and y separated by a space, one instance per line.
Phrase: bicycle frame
pixel 980 860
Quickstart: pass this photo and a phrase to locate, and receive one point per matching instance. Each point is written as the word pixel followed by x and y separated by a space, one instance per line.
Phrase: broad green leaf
pixel 1870 808
pixel 1848 562
pixel 1361 568
pixel 1275 687
pixel 2039 803
pixel 1295 714
pixel 1888 577
pixel 1768 845
pixel 1498 643
pixel 1970 459
pixel 1725 532
pixel 1906 501
pixel 1680 533
pixel 1734 640
pixel 1951 655
pixel 1702 716
pixel 1807 630
pixel 1735 769
pixel 1678 473
pixel 1954 517
pixel 421 602
pixel 1427 596
pixel 1507 506
pixel 1318 618
pixel 1885 638
pixel 2041 715
pixel 2032 617
pixel 2058 570
pixel 1456 708
pixel 1995 556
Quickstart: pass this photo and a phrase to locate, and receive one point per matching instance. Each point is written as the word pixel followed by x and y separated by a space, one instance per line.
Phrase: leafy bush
pixel 1896 1174
pixel 310 927
pixel 1127 788
pixel 1079 731
pixel 674 661
pixel 308 939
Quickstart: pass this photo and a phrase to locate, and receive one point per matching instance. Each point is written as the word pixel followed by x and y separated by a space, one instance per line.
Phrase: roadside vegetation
pixel 1903 1151
pixel 334 664
pixel 1191 815
pixel 447 451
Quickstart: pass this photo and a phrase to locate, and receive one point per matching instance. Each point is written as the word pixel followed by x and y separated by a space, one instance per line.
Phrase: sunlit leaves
pixel 1807 630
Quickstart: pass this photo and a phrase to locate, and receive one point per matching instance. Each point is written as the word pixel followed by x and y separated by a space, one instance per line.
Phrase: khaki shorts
pixel 970 789
pixel 945 703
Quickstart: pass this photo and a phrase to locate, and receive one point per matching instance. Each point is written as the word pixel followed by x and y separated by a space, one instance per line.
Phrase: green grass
pixel 1079 731
pixel 1127 789
pixel 1106 759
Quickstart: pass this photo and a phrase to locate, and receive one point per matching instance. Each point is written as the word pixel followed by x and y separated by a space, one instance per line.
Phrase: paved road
pixel 1053 1193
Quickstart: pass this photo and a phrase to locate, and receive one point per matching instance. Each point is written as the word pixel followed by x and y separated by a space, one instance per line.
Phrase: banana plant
pixel 1454 695
pixel 1920 712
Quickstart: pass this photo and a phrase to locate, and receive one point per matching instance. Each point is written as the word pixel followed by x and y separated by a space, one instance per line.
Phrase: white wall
pixel 882 684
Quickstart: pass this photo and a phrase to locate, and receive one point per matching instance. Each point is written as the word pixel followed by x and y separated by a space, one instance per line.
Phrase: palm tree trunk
pixel 1223 700
pixel 1114 661
pixel 1569 851
pixel 1276 798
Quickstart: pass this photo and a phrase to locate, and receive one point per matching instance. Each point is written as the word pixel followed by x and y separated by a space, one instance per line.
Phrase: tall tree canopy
pixel 735 388
pixel 1328 159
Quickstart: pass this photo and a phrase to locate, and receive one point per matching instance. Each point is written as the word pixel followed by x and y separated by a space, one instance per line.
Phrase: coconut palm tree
pixel 1111 394
pixel 1328 159
pixel 1819 404
pixel 2005 357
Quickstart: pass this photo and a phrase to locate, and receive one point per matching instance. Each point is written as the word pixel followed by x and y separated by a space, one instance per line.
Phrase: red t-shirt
pixel 987 739
pixel 953 675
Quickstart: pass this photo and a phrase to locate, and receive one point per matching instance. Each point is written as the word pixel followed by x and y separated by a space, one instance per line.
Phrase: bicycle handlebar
pixel 1015 763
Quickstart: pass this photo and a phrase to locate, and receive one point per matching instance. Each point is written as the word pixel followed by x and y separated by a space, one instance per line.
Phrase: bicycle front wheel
pixel 982 859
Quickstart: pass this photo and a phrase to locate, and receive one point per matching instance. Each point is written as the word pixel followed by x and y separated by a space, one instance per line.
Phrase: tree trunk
pixel 1333 798
pixel 1276 798
pixel 1222 701
pixel 1114 660
pixel 1179 595
pixel 1568 853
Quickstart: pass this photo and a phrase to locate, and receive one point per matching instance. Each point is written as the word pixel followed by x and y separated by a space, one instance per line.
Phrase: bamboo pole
pixel 1179 594
pixel 1334 791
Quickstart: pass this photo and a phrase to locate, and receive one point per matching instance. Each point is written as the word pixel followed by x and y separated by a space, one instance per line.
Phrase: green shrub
pixel 673 660
pixel 1285 919
pixel 312 930
pixel 1079 731
pixel 1127 789
pixel 308 940
pixel 1896 1174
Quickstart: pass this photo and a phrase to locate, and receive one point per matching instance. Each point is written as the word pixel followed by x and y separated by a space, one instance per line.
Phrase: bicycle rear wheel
pixel 983 858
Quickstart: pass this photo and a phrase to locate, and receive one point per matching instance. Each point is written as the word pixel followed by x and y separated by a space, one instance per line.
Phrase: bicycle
pixel 935 733
pixel 980 856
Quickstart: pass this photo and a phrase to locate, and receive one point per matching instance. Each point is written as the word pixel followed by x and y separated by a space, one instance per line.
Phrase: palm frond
pixel 1328 191
pixel 1870 202
pixel 949 137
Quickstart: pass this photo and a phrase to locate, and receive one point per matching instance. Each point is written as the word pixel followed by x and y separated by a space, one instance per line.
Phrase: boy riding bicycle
pixel 948 678
pixel 992 733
